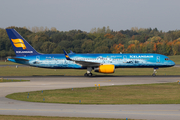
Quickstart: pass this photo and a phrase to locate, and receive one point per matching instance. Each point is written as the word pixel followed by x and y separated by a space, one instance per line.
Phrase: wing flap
pixel 86 63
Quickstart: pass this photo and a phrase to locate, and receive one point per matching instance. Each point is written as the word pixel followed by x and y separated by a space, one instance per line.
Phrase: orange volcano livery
pixel 103 63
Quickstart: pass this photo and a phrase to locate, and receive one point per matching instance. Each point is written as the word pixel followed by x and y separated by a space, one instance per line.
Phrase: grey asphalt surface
pixel 150 111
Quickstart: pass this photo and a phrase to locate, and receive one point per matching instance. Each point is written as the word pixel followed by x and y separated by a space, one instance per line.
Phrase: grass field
pixel 166 93
pixel 7 63
pixel 33 71
pixel 14 117
pixel 9 80
pixel 175 58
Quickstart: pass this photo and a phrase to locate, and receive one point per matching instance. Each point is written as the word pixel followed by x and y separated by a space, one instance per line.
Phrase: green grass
pixel 33 71
pixel 3 62
pixel 164 93
pixel 18 117
pixel 9 80
pixel 175 58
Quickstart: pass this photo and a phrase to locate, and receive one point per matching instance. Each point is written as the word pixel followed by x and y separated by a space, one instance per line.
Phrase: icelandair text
pixel 24 51
pixel 141 56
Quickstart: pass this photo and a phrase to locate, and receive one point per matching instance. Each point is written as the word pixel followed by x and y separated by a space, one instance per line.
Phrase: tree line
pixel 98 40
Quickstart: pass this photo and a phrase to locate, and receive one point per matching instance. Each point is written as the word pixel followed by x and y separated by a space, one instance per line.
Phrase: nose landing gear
pixel 154 72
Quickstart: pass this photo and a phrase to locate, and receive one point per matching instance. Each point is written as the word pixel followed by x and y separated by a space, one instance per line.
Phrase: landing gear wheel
pixel 153 74
pixel 90 74
pixel 85 74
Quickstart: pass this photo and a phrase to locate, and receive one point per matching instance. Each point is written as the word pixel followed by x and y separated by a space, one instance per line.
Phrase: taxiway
pixel 150 111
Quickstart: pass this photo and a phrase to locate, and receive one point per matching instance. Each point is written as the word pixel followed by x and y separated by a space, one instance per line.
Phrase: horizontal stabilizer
pixel 17 59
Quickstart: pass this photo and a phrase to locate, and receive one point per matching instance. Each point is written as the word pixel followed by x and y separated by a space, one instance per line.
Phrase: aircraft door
pixel 158 59
pixel 37 61
pixel 124 58
pixel 37 58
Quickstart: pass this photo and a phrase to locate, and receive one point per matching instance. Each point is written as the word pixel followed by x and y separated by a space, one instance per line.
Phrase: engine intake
pixel 105 69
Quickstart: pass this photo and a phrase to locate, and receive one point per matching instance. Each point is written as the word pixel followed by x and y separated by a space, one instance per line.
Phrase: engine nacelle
pixel 105 69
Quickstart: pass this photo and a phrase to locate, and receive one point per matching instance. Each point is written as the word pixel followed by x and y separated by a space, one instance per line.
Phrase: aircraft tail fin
pixel 20 45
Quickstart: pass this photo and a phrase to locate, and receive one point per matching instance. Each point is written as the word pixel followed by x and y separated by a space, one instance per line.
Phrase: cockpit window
pixel 167 59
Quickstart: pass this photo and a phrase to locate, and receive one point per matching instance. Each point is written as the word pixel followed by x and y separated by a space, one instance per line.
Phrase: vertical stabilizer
pixel 20 45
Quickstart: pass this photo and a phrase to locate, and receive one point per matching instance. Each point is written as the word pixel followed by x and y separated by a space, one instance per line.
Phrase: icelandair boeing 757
pixel 103 63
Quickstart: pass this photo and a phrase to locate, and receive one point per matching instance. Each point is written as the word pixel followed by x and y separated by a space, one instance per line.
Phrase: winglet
pixel 71 52
pixel 66 55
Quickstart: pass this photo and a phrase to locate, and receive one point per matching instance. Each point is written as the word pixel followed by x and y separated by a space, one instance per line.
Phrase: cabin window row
pixel 103 59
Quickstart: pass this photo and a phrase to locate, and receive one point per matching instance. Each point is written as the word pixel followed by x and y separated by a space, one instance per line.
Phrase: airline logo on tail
pixel 67 56
pixel 19 43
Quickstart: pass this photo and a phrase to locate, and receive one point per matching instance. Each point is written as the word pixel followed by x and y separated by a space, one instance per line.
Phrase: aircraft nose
pixel 172 63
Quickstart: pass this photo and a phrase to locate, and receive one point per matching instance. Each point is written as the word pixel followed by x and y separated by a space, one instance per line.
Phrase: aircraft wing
pixel 85 63
pixel 82 63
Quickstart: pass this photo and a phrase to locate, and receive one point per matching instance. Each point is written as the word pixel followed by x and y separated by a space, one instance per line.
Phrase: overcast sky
pixel 66 15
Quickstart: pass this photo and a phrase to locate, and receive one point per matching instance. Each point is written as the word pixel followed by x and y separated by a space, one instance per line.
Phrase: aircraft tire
pixel 90 74
pixel 153 74
pixel 85 74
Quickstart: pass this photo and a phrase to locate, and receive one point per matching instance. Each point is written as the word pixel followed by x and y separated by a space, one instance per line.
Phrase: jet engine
pixel 105 69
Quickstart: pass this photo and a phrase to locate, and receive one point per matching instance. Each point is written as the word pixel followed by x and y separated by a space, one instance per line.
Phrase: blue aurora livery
pixel 103 63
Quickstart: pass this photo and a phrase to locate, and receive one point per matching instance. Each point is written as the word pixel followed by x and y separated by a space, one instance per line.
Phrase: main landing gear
pixel 154 72
pixel 88 74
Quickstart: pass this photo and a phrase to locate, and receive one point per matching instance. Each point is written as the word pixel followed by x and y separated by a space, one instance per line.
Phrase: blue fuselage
pixel 58 61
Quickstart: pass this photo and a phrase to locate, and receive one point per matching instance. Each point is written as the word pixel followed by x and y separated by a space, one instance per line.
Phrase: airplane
pixel 102 63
